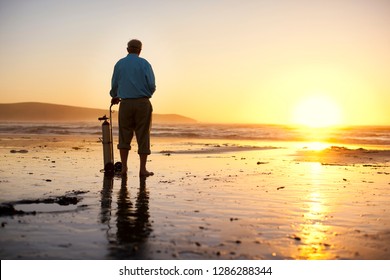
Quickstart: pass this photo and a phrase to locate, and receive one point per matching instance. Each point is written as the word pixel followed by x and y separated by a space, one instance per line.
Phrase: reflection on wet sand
pixel 313 230
pixel 106 200
pixel 126 236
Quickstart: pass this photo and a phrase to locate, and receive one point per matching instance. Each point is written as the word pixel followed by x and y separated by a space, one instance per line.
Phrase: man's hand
pixel 115 100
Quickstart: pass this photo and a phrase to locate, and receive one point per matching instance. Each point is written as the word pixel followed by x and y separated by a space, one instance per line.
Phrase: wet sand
pixel 208 199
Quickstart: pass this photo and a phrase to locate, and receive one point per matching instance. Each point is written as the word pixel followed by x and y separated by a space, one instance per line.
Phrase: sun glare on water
pixel 316 111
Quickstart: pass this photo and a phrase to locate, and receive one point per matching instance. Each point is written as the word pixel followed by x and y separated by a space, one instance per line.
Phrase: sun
pixel 317 111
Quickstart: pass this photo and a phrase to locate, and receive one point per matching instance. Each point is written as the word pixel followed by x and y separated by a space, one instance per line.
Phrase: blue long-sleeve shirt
pixel 133 77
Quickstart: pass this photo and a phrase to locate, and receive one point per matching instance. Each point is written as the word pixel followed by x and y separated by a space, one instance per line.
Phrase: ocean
pixel 356 135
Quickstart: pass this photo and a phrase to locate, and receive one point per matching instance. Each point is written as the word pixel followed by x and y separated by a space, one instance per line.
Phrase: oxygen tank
pixel 108 156
pixel 110 168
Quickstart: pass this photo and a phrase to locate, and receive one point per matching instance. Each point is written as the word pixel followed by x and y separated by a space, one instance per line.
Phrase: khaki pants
pixel 135 116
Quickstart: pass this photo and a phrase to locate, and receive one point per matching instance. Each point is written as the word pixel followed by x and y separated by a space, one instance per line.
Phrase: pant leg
pixel 143 122
pixel 126 124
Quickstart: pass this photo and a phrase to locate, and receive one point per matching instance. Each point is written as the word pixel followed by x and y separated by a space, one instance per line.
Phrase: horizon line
pixel 339 126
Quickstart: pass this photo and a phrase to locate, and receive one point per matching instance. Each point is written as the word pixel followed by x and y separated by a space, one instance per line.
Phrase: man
pixel 133 84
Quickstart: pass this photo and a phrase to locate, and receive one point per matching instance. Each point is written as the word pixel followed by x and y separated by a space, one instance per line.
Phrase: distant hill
pixel 35 111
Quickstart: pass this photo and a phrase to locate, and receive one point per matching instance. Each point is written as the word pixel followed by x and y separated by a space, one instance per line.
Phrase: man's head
pixel 134 46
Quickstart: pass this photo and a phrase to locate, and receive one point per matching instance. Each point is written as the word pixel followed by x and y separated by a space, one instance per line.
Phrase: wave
pixel 50 129
pixel 373 135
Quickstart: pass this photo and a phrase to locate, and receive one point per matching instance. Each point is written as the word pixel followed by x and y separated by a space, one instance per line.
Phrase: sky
pixel 308 62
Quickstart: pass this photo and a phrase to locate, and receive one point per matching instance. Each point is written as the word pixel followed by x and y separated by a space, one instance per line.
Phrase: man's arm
pixel 150 79
pixel 114 88
pixel 114 83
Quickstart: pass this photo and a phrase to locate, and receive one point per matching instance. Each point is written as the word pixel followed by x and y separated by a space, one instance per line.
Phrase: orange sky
pixel 215 61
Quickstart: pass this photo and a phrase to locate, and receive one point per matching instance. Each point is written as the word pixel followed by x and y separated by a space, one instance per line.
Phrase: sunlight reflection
pixel 313 231
pixel 317 138
pixel 317 146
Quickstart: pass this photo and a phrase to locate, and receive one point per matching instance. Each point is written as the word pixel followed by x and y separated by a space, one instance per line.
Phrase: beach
pixel 209 199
